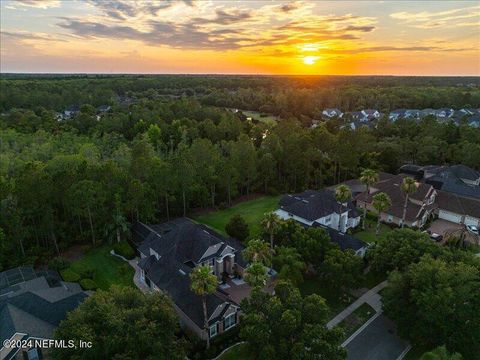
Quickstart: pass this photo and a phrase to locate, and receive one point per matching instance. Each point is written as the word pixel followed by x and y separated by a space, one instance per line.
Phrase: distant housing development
pixel 370 117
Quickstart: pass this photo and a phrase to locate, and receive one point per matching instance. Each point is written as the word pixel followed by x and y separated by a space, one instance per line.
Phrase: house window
pixel 212 262
pixel 229 321
pixel 213 330
pixel 328 219
pixel 390 218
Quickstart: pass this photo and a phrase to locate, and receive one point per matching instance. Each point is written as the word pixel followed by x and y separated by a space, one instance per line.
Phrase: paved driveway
pixel 440 226
pixel 377 341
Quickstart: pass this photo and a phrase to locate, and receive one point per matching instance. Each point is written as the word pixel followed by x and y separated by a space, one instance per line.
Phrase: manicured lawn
pixel 337 300
pixel 238 352
pixel 356 319
pixel 252 211
pixel 372 279
pixel 368 235
pixel 108 270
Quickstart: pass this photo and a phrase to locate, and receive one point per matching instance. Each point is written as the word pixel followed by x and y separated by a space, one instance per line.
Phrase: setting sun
pixel 310 60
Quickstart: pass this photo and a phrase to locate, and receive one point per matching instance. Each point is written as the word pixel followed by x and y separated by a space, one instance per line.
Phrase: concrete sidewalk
pixel 371 297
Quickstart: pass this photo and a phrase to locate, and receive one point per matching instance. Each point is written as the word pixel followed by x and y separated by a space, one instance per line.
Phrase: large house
pixel 458 209
pixel 170 251
pixel 457 179
pixel 32 305
pixel 332 113
pixel 319 207
pixel 420 206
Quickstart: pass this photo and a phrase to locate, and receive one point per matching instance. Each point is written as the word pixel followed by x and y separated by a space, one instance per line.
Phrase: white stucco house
pixel 319 207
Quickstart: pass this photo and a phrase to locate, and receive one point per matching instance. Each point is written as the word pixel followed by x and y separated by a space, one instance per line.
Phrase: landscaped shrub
pixel 58 263
pixel 124 249
pixel 70 275
pixel 86 273
pixel 237 227
pixel 123 269
pixel 88 284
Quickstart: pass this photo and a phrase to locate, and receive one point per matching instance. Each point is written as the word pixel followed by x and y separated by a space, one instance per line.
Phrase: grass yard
pixel 372 279
pixel 107 269
pixel 356 319
pixel 337 300
pixel 252 211
pixel 238 352
pixel 368 235
pixel 269 119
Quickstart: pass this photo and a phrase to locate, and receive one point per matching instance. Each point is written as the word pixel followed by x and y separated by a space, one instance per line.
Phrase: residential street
pixel 371 297
pixel 377 338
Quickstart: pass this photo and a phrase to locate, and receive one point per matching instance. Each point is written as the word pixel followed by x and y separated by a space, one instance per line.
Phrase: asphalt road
pixel 377 341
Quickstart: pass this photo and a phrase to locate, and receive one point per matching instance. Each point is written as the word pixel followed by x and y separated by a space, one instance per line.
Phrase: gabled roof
pixel 36 308
pixel 181 244
pixel 391 185
pixel 458 204
pixel 464 172
pixel 188 240
pixel 312 205
pixel 336 111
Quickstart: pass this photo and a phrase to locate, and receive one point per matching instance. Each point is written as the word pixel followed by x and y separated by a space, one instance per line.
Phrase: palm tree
pixel 368 177
pixel 256 275
pixel 270 223
pixel 409 187
pixel 342 195
pixel 381 202
pixel 257 251
pixel 203 283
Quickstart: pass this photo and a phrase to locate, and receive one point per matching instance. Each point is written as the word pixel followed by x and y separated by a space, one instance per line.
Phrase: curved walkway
pixel 137 276
pixel 371 297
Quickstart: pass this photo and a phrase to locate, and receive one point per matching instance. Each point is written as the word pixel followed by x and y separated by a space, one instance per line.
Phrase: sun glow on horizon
pixel 310 60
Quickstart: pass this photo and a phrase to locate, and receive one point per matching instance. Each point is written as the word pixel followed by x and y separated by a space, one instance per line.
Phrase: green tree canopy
pixel 287 326
pixel 122 323
pixel 436 302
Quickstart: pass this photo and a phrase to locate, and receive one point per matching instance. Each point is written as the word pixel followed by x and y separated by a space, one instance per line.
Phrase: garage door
pixel 442 214
pixel 472 221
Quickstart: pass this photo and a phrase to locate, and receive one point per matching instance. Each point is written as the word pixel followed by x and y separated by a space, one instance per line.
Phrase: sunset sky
pixel 241 37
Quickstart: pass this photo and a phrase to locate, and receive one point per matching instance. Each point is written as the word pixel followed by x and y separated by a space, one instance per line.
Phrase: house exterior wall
pixel 331 220
pixel 470 220
pixel 386 217
pixel 450 216
pixel 239 269
pixel 282 214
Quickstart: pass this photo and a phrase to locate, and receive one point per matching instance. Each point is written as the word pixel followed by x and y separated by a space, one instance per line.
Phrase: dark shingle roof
pixel 390 184
pixel 189 240
pixel 30 308
pixel 464 172
pixel 458 204
pixel 344 241
pixel 178 243
pixel 312 205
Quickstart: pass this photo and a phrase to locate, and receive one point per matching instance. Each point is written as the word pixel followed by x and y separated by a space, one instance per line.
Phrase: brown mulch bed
pixel 75 252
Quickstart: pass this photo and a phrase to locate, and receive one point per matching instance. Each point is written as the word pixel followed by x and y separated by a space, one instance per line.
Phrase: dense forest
pixel 168 146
